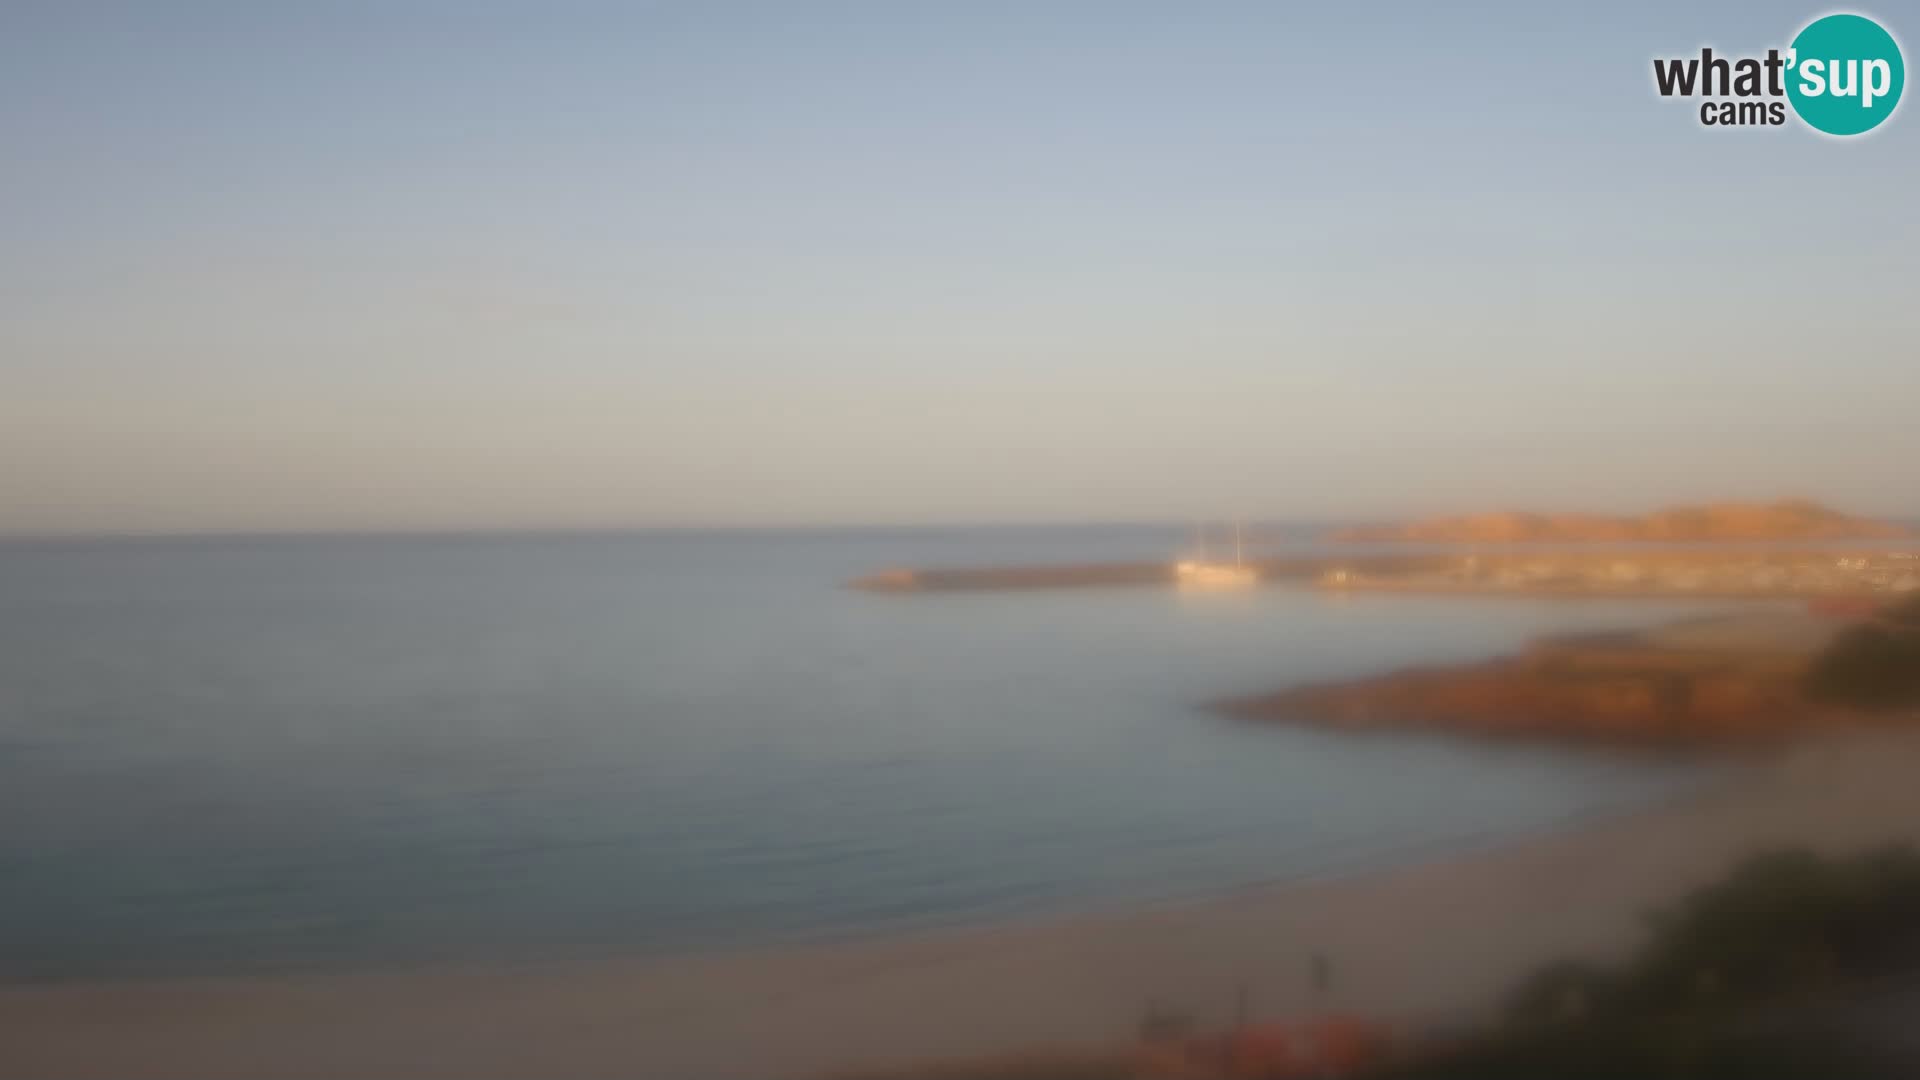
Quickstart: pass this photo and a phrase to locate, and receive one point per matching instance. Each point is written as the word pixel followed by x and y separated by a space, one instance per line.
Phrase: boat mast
pixel 1236 542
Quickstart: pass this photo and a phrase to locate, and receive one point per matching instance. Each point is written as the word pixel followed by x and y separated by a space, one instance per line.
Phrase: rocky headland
pixel 1712 681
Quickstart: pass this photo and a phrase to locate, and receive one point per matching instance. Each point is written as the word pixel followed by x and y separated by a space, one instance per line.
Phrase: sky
pixel 275 267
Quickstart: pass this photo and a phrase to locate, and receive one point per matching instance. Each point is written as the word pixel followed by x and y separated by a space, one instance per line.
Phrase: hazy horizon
pixel 476 267
pixel 1216 526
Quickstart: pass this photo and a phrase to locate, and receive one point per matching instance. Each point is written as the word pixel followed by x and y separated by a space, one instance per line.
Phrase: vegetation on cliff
pixel 1793 966
pixel 1875 665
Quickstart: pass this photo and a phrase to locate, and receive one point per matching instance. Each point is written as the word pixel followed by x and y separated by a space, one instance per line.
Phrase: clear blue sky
pixel 469 265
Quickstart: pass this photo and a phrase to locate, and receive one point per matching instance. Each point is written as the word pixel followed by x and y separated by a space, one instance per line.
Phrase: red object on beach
pixel 1344 1045
pixel 1844 607
pixel 1262 1052
pixel 1327 1046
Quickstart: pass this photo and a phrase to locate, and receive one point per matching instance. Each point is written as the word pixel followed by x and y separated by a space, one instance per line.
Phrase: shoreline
pixel 1431 943
pixel 1710 764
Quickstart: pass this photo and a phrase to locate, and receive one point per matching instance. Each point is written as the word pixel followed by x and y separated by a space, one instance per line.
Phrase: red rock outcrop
pixel 1598 692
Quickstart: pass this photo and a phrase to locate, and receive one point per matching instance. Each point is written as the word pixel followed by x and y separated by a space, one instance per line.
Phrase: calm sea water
pixel 275 755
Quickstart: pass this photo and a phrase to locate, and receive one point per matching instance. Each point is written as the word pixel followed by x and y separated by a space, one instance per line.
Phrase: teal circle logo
pixel 1845 74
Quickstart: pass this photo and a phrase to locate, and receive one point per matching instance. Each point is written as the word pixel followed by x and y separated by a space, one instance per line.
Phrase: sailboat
pixel 1199 573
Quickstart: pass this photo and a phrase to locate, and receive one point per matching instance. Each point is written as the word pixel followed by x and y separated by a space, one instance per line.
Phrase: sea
pixel 269 756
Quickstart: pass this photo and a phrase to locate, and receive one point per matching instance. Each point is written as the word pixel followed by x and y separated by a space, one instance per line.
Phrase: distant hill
pixel 1793 519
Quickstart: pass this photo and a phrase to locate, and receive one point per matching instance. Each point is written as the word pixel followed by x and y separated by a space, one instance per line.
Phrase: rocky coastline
pixel 1717 681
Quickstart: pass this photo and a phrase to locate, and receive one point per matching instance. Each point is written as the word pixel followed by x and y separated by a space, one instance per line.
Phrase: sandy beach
pixel 1427 945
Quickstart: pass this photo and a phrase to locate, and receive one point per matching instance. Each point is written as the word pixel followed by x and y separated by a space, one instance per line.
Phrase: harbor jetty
pixel 1303 569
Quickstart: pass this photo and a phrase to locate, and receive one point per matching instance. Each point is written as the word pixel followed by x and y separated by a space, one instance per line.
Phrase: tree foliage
pixel 1875 665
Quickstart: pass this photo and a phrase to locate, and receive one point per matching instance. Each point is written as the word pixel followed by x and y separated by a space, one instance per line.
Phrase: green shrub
pixel 1717 990
pixel 1875 665
pixel 1784 924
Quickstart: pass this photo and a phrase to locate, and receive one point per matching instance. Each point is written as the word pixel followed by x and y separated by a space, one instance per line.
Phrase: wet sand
pixel 1427 945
